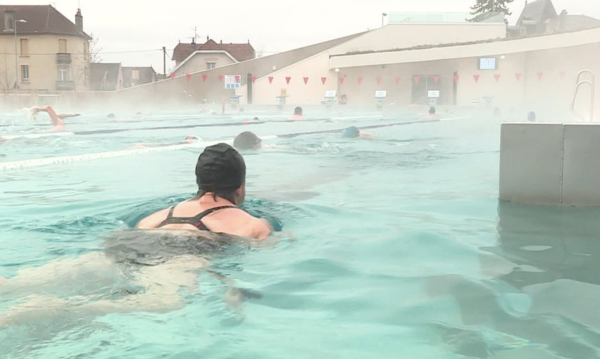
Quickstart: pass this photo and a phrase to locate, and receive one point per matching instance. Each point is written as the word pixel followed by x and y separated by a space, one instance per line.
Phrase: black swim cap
pixel 220 168
pixel 246 141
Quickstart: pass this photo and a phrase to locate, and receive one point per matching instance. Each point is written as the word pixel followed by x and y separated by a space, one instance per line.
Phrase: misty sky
pixel 274 26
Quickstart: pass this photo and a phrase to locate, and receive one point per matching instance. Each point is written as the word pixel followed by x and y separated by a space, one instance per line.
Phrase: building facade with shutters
pixel 52 52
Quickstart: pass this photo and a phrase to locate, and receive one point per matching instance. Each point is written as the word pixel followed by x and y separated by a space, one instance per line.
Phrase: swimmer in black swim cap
pixel 247 141
pixel 221 179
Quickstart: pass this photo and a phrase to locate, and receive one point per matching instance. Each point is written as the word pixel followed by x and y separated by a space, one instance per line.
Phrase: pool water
pixel 389 247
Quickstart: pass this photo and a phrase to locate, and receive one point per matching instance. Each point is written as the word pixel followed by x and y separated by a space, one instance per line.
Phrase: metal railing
pixel 592 83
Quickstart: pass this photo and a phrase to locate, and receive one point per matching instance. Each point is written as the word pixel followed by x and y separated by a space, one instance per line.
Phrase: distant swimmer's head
pixel 111 115
pixel 191 139
pixel 298 111
pixel 221 171
pixel 531 117
pixel 351 132
pixel 247 141
pixel 432 110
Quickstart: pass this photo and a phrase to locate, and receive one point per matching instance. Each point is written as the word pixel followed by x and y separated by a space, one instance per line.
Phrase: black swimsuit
pixel 195 221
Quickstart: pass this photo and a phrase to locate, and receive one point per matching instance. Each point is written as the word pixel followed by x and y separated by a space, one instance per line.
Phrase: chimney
pixel 79 20
pixel 9 20
pixel 221 42
pixel 562 21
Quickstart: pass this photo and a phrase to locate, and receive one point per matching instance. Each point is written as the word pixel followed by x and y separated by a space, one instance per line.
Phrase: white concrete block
pixel 531 163
pixel 581 165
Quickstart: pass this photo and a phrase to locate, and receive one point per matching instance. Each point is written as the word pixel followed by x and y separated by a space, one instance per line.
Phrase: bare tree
pixel 95 50
pixel 260 51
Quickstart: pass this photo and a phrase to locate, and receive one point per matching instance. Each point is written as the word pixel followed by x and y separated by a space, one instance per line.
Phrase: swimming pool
pixel 392 247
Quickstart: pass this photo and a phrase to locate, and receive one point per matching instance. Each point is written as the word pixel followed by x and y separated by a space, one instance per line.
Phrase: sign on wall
pixel 330 94
pixel 433 94
pixel 380 94
pixel 233 82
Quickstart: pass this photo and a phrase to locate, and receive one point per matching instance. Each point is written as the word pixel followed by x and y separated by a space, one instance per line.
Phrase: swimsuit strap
pixel 195 221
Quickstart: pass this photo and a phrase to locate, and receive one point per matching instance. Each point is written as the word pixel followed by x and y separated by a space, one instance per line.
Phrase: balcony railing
pixel 65 85
pixel 63 58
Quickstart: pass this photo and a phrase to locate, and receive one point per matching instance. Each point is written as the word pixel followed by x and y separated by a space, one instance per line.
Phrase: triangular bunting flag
pixel 323 80
pixel 518 76
pixel 456 78
pixel 237 78
pixel 306 80
pixel 497 77
pixel 342 79
pixel 476 78
pixel 436 79
pixel 188 76
pixel 253 79
pixel 204 76
pixel 172 76
pixel 397 80
pixel 287 79
pixel 416 79
pixel 540 76
pixel 221 78
pixel 360 80
pixel 378 79
pixel 270 79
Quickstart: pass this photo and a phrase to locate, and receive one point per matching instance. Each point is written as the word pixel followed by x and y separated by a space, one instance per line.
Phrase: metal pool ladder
pixel 592 83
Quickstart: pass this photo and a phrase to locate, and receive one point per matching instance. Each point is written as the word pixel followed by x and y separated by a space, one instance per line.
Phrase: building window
pixel 135 74
pixel 24 47
pixel 211 65
pixel 63 74
pixel 62 46
pixel 24 73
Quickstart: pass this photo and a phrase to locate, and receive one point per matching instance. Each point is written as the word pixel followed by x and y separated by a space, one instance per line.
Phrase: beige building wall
pixel 310 93
pixel 41 57
pixel 199 62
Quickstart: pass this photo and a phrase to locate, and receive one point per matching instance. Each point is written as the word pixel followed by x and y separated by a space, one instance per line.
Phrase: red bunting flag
pixel 378 79
pixel 416 79
pixel 306 80
pixel 204 76
pixel 436 79
pixel 563 74
pixel 476 77
pixel 323 80
pixel 287 79
pixel 497 77
pixel 518 76
pixel 397 80
pixel 360 80
pixel 253 79
pixel 188 76
pixel 456 78
pixel 270 79
pixel 237 78
pixel 342 79
pixel 540 76
pixel 221 78
pixel 172 76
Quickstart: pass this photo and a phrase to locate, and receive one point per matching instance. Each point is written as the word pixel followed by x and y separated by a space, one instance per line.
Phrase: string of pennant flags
pixel 518 76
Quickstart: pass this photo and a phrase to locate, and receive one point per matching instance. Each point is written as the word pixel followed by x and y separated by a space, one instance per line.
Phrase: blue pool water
pixel 390 247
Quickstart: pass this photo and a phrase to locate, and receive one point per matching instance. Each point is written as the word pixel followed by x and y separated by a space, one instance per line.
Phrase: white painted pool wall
pixel 550 164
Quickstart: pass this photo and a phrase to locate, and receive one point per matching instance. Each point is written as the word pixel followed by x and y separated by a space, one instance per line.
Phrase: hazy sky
pixel 271 25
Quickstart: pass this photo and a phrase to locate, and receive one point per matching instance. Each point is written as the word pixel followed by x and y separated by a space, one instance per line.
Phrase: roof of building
pixel 537 12
pixel 41 19
pixel 99 70
pixel 579 22
pixel 146 74
pixel 240 52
